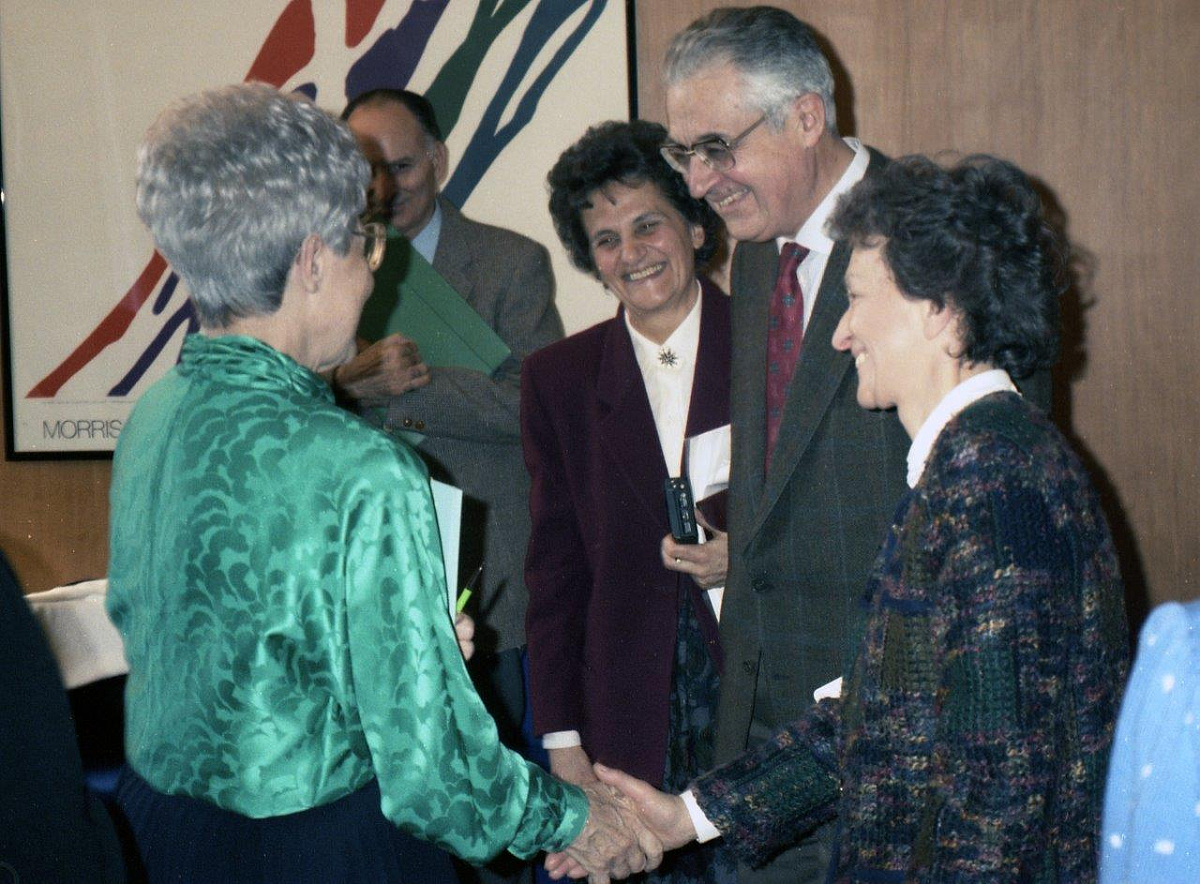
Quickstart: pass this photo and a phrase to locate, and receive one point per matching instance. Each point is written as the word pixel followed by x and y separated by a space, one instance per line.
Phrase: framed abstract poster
pixel 93 315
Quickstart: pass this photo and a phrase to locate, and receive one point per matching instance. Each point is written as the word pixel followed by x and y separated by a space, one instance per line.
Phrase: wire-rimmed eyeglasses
pixel 715 152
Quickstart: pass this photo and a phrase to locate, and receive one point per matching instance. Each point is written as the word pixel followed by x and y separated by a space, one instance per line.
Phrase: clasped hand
pixel 390 367
pixel 706 562
pixel 629 825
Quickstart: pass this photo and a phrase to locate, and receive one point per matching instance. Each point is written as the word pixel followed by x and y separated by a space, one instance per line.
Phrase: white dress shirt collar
pixel 812 234
pixel 969 391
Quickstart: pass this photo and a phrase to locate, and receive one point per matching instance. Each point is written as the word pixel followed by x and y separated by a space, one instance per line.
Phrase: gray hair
pixel 775 52
pixel 231 181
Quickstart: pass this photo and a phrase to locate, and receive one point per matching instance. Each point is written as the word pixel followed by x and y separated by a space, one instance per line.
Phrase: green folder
pixel 412 298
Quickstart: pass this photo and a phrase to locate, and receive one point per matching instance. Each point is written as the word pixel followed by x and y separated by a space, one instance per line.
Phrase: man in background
pixel 469 419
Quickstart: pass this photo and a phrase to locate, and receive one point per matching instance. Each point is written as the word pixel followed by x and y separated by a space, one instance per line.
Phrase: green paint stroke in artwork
pixel 448 92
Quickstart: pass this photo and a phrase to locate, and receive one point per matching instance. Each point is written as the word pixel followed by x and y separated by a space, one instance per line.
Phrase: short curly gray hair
pixel 231 181
pixel 775 52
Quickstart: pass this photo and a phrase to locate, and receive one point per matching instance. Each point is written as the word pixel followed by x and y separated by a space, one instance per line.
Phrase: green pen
pixel 465 595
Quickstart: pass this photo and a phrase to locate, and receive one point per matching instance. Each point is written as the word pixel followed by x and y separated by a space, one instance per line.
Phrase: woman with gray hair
pixel 297 707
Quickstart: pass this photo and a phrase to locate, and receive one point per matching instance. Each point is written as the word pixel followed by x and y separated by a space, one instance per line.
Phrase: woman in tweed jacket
pixel 971 734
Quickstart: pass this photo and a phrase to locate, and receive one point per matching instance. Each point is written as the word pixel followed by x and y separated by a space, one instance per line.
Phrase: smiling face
pixel 887 333
pixel 407 166
pixel 644 253
pixel 774 184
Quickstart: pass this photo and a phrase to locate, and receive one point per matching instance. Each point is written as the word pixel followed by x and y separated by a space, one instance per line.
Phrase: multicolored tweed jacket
pixel 972 735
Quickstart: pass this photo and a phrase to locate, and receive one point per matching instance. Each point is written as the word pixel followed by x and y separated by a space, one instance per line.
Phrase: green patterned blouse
pixel 276 574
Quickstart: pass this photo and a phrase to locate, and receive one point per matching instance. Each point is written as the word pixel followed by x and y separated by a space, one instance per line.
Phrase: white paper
pixel 715 595
pixel 447 506
pixel 707 459
pixel 86 645
pixel 831 690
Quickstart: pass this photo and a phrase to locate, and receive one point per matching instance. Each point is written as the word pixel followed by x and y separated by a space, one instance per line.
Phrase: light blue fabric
pixel 426 242
pixel 1151 830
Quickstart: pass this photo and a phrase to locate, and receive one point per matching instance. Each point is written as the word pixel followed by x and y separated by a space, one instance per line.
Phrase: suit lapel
pixel 709 405
pixel 707 410
pixel 818 375
pixel 454 256
pixel 749 308
pixel 626 425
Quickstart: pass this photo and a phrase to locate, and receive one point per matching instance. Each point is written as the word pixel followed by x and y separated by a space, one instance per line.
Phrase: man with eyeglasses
pixel 751 123
pixel 469 419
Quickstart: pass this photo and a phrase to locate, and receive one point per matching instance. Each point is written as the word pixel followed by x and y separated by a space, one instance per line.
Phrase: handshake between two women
pixel 629 826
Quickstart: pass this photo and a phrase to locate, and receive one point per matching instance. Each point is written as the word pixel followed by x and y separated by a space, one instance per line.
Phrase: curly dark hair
pixel 624 152
pixel 975 235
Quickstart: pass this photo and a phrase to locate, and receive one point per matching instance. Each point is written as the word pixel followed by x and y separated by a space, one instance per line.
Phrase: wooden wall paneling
pixel 1099 102
pixel 54 518
pixel 55 525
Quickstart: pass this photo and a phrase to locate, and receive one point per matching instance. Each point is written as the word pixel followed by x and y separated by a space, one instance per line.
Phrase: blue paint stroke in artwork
pixel 490 139
pixel 186 313
pixel 164 294
pixel 308 89
pixel 390 62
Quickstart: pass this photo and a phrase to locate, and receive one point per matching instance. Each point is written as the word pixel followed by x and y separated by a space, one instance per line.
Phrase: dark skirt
pixel 181 839
pixel 694 682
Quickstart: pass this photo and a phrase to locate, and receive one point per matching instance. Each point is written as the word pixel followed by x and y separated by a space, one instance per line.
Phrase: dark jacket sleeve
pixel 769 797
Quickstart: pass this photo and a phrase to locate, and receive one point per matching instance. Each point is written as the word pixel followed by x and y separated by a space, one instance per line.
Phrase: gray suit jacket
pixel 471 421
pixel 803 536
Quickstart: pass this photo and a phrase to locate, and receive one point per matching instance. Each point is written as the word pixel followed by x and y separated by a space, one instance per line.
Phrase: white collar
pixel 969 391
pixel 812 234
pixel 682 343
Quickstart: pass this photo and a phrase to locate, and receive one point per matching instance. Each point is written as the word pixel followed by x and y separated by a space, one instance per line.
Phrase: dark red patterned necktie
pixel 785 333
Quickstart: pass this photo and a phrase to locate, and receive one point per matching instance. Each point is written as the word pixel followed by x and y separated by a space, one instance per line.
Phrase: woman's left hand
pixel 464 631
pixel 706 562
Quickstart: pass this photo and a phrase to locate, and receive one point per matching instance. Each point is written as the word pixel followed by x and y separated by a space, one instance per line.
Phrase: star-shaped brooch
pixel 666 356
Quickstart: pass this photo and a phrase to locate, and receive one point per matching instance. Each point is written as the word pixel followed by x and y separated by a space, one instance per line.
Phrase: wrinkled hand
pixel 665 815
pixel 464 631
pixel 390 367
pixel 614 843
pixel 572 765
pixel 707 562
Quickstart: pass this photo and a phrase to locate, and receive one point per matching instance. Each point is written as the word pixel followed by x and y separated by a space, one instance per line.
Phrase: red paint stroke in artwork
pixel 110 329
pixel 360 16
pixel 289 47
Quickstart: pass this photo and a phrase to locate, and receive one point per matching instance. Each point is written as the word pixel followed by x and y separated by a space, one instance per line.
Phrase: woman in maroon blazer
pixel 623 653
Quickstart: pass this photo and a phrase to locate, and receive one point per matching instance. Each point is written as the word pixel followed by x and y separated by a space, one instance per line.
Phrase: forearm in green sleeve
pixel 443 773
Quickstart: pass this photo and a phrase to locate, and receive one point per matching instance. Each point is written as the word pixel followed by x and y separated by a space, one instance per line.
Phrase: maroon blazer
pixel 602 611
